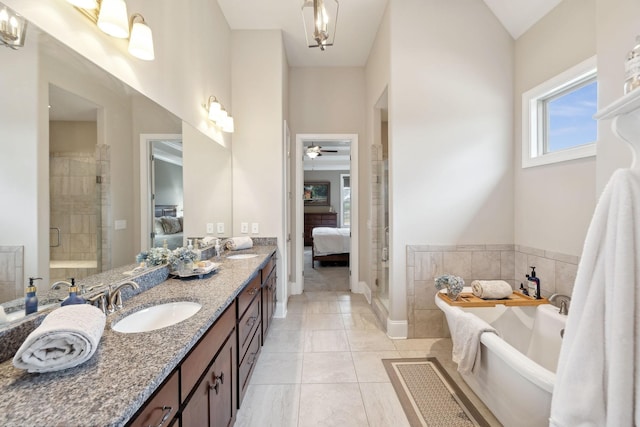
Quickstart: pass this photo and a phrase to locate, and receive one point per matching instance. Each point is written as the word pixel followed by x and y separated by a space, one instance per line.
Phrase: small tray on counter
pixel 469 300
pixel 202 271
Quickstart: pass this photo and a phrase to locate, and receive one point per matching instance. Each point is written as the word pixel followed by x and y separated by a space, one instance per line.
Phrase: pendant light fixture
pixel 320 19
pixel 141 40
pixel 113 18
pixel 12 28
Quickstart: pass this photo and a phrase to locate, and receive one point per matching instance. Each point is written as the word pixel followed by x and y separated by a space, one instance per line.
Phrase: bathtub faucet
pixel 536 280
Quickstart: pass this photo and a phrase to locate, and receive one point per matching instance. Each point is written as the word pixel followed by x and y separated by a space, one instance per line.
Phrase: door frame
pixel 146 208
pixel 354 282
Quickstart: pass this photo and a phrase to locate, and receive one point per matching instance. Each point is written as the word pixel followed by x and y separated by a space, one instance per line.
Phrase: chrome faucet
pixel 114 298
pixel 536 280
pixel 57 284
pixel 565 301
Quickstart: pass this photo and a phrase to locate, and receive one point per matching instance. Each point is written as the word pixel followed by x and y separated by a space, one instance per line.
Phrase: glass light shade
pixel 85 4
pixel 214 110
pixel 227 125
pixel 113 18
pixel 12 28
pixel 222 116
pixel 312 154
pixel 141 42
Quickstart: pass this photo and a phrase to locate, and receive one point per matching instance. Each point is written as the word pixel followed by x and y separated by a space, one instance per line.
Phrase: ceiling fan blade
pixel 328 151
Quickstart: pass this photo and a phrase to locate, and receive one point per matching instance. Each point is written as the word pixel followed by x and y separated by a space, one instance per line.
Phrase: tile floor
pixel 320 366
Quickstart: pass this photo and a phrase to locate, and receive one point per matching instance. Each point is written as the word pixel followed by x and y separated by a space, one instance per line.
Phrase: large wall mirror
pixel 75 180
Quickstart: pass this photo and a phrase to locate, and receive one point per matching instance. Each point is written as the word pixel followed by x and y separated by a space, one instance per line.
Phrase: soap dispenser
pixel 31 300
pixel 73 297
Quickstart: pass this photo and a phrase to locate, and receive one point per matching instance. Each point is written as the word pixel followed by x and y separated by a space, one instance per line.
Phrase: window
pixel 557 117
pixel 345 200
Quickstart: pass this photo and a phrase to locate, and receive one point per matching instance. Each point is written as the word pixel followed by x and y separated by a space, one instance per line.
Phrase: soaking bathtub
pixel 517 368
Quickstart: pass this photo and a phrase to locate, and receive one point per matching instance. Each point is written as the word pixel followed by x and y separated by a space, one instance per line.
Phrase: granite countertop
pixel 108 389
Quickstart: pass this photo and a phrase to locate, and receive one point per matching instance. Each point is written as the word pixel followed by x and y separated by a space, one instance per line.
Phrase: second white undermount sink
pixel 242 256
pixel 156 317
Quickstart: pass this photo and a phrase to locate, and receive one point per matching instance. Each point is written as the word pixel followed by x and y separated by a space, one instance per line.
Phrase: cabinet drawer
pixel 197 361
pixel 247 325
pixel 162 407
pixel 246 367
pixel 248 294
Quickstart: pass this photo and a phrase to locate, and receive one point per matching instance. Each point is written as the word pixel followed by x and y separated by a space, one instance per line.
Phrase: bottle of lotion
pixel 73 297
pixel 31 300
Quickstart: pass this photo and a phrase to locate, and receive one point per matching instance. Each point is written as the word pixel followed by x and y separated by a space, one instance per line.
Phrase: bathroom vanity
pixel 193 373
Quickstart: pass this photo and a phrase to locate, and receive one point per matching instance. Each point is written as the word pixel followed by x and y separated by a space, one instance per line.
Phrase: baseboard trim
pixel 366 290
pixel 281 310
pixel 397 329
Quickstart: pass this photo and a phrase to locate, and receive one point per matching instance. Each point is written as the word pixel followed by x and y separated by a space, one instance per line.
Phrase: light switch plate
pixel 220 227
pixel 120 224
pixel 255 228
pixel 209 228
pixel 244 227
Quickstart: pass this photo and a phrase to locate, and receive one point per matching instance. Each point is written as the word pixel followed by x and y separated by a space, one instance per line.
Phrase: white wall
pixel 331 100
pixel 617 25
pixel 553 203
pixel 168 183
pixel 21 168
pixel 451 133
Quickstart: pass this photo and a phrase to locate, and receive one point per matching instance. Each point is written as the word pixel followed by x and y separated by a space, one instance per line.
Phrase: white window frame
pixel 533 119
pixel 342 195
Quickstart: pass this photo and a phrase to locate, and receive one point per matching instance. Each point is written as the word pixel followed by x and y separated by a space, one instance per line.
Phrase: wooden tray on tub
pixel 469 300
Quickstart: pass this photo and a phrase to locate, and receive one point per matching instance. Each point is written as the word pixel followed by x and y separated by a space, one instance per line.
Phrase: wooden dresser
pixel 318 219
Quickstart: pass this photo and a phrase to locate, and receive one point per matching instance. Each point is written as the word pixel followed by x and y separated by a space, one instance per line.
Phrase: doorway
pixel 325 198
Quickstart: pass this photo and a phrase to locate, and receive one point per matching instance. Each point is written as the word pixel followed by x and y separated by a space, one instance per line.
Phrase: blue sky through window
pixel 570 118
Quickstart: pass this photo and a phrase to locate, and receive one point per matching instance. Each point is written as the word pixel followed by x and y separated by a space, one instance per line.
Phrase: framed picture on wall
pixel 316 193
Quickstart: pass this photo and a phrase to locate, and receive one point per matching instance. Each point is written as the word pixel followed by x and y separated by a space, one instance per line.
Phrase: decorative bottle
pixel 73 297
pixel 31 300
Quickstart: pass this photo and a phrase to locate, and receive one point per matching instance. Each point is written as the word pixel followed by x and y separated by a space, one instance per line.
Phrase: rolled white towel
pixel 491 289
pixel 237 243
pixel 67 337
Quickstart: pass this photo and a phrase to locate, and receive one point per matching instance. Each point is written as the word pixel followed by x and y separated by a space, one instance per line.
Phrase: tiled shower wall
pixel 74 211
pixel 511 263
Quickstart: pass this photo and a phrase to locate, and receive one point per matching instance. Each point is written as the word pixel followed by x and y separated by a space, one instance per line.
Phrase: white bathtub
pixel 517 370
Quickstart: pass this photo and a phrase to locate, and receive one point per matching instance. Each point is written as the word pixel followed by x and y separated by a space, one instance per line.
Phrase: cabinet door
pixel 222 399
pixel 213 401
pixel 162 407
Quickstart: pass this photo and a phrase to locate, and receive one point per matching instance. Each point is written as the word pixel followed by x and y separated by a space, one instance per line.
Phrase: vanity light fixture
pixel 320 23
pixel 218 115
pixel 141 40
pixel 12 28
pixel 112 18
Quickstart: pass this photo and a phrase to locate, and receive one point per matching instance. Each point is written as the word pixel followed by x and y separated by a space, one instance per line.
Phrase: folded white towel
pixel 466 341
pixel 67 337
pixel 491 289
pixel 237 243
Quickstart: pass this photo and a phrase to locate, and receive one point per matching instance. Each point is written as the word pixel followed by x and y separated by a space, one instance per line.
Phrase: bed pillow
pixel 157 226
pixel 171 225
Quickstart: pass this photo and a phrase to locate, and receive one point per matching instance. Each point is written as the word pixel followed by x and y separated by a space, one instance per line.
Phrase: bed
pixel 167 226
pixel 330 244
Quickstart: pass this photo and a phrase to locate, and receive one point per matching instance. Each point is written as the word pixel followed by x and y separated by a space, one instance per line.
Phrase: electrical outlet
pixel 120 224
pixel 244 227
pixel 221 227
pixel 209 228
pixel 254 228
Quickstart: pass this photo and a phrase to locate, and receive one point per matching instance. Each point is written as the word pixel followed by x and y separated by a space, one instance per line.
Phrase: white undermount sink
pixel 242 256
pixel 156 317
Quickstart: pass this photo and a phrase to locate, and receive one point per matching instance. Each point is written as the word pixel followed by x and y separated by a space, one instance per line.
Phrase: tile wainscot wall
pixel 557 273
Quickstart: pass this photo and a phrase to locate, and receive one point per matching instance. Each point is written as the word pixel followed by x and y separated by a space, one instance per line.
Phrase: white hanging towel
pixel 598 376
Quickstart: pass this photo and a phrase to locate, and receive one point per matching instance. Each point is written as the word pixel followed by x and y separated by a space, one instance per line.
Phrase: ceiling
pixel 358 22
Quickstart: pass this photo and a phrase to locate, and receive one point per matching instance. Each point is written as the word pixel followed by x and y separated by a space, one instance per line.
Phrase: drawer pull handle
pixel 252 321
pixel 167 411
pixel 253 291
pixel 253 358
pixel 217 380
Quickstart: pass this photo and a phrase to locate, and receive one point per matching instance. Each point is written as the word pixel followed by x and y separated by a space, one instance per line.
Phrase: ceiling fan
pixel 314 151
